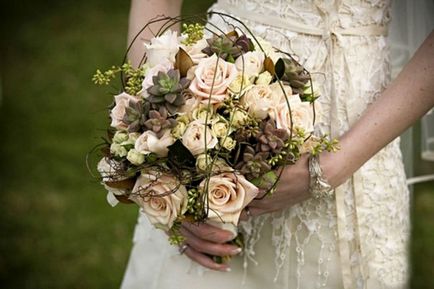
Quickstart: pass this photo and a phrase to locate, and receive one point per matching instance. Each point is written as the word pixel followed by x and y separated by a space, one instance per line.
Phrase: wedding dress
pixel 358 239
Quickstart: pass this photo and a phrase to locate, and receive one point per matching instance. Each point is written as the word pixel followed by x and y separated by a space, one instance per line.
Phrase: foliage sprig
pixel 194 33
pixel 134 77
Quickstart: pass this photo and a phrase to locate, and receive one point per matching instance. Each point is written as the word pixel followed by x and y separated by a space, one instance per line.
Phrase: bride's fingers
pixel 205 261
pixel 208 232
pixel 209 247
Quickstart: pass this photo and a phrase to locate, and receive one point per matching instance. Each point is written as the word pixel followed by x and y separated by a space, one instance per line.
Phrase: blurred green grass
pixel 56 229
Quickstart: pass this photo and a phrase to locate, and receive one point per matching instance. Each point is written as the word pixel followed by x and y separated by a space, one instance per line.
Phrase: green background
pixel 57 231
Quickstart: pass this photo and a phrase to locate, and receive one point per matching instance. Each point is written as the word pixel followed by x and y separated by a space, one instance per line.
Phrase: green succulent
pixel 167 90
pixel 229 46
pixel 133 117
pixel 290 71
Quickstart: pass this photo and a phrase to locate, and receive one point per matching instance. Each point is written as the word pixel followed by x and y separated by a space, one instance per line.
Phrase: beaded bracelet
pixel 318 186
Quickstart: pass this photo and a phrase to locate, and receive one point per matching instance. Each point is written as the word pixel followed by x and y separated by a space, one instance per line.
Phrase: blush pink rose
pixel 302 114
pixel 161 197
pixel 250 63
pixel 195 135
pixel 148 142
pixel 212 78
pixel 228 194
pixel 120 113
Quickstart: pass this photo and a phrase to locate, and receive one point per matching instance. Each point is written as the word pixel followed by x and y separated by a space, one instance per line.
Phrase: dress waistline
pixel 329 27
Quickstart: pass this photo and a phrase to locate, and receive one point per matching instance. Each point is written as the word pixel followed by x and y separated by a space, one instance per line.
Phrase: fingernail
pixel 228 269
pixel 236 251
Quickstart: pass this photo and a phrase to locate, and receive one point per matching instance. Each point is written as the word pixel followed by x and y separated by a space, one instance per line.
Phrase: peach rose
pixel 250 63
pixel 148 142
pixel 212 78
pixel 194 137
pixel 260 100
pixel 161 211
pixel 228 194
pixel 302 114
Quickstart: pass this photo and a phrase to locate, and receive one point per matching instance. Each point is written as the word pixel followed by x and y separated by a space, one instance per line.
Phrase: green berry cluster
pixel 194 33
pixel 133 76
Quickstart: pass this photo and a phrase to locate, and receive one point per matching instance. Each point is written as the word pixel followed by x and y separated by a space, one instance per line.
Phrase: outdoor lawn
pixel 57 230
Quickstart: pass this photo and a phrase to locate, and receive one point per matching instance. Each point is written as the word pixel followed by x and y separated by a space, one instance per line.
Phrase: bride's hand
pixel 203 240
pixel 293 187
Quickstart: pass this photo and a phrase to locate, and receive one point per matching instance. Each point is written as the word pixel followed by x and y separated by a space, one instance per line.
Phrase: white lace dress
pixel 357 240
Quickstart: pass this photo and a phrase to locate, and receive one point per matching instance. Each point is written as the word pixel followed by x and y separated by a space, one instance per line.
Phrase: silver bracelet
pixel 318 186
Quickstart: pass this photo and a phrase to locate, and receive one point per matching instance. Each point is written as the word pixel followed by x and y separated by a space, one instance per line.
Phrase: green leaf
pixel 266 181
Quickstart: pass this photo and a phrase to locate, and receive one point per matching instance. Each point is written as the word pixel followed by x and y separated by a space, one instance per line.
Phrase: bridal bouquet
pixel 203 126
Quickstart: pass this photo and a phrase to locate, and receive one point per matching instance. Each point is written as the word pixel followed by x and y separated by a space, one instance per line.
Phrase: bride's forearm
pixel 405 100
pixel 141 12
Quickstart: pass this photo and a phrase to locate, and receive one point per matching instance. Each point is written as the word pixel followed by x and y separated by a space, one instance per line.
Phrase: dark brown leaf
pixel 124 199
pixel 269 65
pixel 123 184
pixel 233 33
pixel 183 62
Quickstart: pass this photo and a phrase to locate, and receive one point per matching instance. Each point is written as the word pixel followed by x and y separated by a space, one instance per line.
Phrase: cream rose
pixel 264 78
pixel 220 128
pixel 161 211
pixel 239 118
pixel 212 78
pixel 260 100
pixel 279 93
pixel 162 48
pixel 118 150
pixel 135 157
pixel 120 136
pixel 219 165
pixel 195 135
pixel 240 84
pixel 302 114
pixel 250 63
pixel 125 112
pixel 179 129
pixel 148 142
pixel 195 50
pixel 228 143
pixel 267 47
pixel 228 194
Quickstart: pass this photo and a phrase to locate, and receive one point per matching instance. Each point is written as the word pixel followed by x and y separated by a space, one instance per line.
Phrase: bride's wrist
pixel 329 163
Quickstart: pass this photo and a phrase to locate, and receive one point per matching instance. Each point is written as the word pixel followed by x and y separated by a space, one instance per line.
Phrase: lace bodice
pixel 315 13
pixel 346 46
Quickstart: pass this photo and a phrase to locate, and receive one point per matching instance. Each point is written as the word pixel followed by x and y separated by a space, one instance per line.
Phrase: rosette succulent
pixel 292 72
pixel 270 138
pixel 159 121
pixel 127 113
pixel 167 90
pixel 228 46
pixel 254 164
